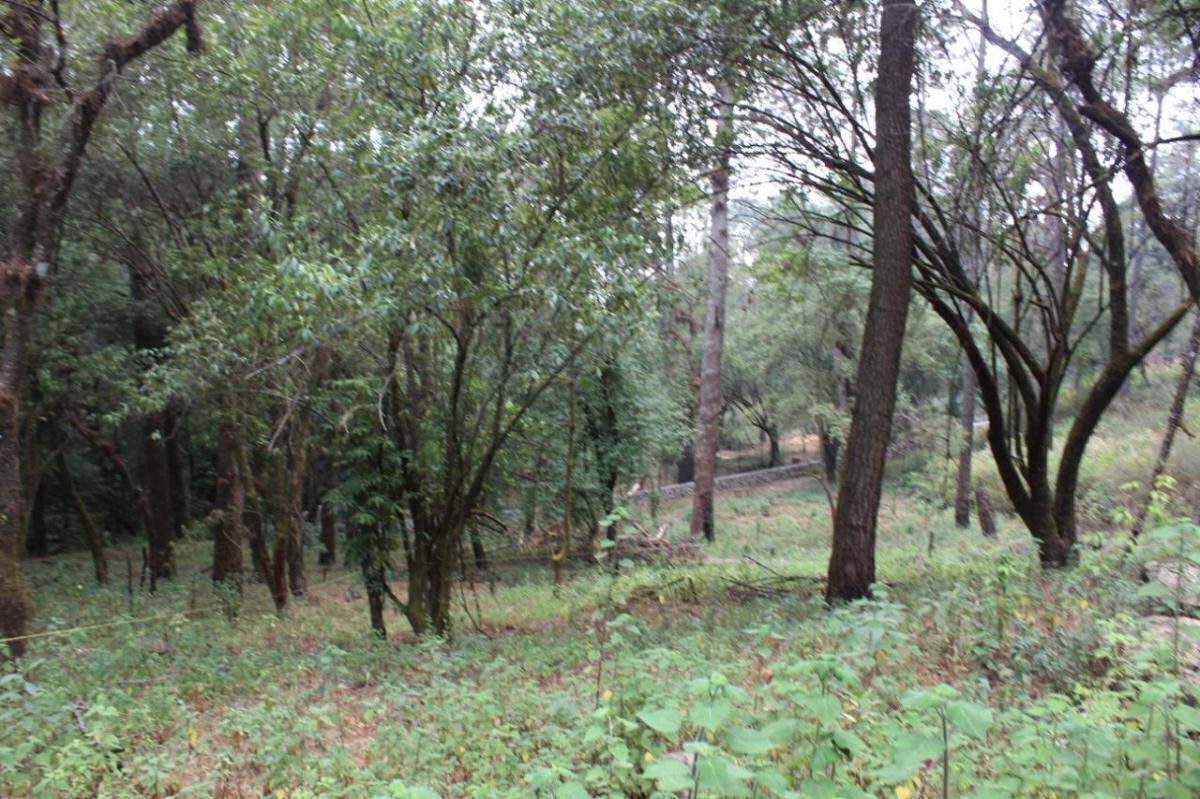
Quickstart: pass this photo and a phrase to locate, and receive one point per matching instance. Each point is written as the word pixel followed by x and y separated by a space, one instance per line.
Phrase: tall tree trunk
pixel 708 425
pixel 230 506
pixel 564 547
pixel 181 510
pixel 161 535
pixel 962 493
pixel 852 563
pixel 20 284
pixel 774 456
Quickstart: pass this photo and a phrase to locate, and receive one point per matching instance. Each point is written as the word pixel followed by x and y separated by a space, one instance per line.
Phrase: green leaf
pixel 710 715
pixel 909 753
pixel 746 741
pixel 723 777
pixel 669 775
pixel 571 790
pixel 969 718
pixel 664 720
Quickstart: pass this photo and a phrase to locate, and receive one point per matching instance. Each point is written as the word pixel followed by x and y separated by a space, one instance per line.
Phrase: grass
pixel 971 670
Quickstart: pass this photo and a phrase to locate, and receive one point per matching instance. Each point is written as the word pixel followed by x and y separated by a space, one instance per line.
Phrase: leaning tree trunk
pixel 852 563
pixel 708 426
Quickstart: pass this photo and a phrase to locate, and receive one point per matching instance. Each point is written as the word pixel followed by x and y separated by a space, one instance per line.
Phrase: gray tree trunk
pixel 852 563
pixel 708 421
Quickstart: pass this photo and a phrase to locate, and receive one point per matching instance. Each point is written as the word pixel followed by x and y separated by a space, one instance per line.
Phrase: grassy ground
pixel 972 674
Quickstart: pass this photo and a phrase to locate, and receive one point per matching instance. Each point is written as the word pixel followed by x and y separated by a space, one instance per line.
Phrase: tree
pixel 708 413
pixel 46 169
pixel 852 563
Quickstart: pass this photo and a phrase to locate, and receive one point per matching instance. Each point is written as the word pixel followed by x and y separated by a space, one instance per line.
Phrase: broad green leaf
pixel 723 777
pixel 710 715
pixel 746 741
pixel 669 775
pixel 664 720
pixel 969 718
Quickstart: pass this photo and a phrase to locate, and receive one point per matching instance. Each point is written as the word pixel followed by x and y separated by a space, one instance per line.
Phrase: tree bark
pixel 230 506
pixel 709 410
pixel 161 534
pixel 852 563
pixel 563 550
pixel 962 493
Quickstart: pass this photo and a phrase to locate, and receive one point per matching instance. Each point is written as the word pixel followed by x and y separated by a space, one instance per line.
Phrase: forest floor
pixel 971 674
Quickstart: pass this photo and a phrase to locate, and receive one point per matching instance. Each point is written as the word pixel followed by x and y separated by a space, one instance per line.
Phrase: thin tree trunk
pixel 181 510
pixel 564 547
pixel 709 411
pixel 1174 421
pixel 91 533
pixel 852 563
pixel 230 506
pixel 962 493
pixel 327 513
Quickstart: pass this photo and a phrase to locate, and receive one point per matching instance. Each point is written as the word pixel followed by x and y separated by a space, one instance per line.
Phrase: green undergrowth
pixel 970 674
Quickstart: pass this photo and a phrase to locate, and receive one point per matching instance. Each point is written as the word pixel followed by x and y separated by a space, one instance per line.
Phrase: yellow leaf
pixel 525 756
pixel 903 792
pixel 1084 604
pixel 606 696
pixel 193 736
pixel 649 758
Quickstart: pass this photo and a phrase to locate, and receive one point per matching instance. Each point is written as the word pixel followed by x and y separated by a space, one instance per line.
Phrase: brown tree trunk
pixel 987 519
pixel 161 535
pixel 231 504
pixel 852 563
pixel 708 425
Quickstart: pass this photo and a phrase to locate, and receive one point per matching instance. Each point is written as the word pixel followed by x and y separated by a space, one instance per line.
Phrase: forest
pixel 608 398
